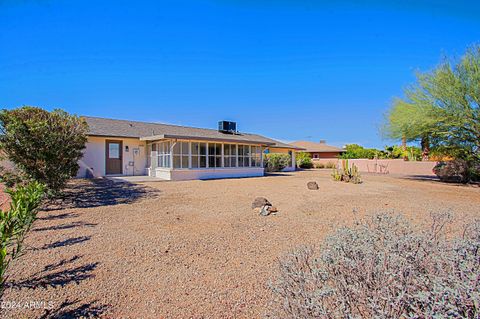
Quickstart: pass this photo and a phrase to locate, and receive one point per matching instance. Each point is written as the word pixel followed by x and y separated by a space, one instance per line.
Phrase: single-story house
pixel 319 150
pixel 172 152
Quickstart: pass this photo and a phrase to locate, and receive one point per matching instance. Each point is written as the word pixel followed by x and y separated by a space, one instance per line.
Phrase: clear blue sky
pixel 285 69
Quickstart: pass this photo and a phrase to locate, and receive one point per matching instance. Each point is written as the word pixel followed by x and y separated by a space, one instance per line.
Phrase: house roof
pixel 155 131
pixel 317 147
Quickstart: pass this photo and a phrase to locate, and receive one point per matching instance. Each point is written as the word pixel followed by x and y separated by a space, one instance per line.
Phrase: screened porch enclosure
pixel 194 155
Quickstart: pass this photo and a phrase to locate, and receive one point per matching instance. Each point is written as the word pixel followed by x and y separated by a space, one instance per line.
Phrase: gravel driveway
pixel 194 249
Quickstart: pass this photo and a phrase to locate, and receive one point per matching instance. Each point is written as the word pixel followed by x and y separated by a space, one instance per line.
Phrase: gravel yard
pixel 195 249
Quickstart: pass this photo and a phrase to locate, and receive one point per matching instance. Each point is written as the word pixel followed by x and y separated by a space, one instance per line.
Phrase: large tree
pixel 44 146
pixel 442 109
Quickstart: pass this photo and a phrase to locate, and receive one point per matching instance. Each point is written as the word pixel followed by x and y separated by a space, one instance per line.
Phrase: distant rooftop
pixel 149 131
pixel 314 147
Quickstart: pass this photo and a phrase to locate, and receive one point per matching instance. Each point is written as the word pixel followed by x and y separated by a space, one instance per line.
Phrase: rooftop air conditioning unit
pixel 227 127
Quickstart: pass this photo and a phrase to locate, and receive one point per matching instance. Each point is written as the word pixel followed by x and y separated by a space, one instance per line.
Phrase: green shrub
pixel 357 151
pixel 383 267
pixel 44 146
pixel 276 162
pixel 412 153
pixel 304 160
pixel 16 222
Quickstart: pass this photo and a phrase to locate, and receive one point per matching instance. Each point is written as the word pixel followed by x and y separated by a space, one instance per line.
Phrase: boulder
pixel 260 202
pixel 312 185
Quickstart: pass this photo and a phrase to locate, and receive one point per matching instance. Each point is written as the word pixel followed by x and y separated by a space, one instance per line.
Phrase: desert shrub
pixel 15 223
pixel 324 165
pixel 318 165
pixel 276 162
pixel 330 165
pixel 44 146
pixel 458 170
pixel 304 160
pixel 383 267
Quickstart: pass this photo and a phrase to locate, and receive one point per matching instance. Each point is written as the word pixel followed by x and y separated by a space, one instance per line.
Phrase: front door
pixel 113 157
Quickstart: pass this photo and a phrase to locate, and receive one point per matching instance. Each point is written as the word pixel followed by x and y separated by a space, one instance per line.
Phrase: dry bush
pixel 324 165
pixel 318 165
pixel 383 267
pixel 331 165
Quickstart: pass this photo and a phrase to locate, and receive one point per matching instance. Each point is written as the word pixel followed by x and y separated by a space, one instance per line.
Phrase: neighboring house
pixel 171 152
pixel 319 150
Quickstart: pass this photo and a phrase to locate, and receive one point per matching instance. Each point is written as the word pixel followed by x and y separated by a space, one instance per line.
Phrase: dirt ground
pixel 3 198
pixel 195 249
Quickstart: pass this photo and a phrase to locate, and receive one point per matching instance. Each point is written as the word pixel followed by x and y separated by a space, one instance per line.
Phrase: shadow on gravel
pixel 67 242
pixel 84 193
pixel 59 216
pixel 73 309
pixel 65 226
pixel 59 278
pixel 422 178
pixel 61 263
pixel 269 174
pixel 435 179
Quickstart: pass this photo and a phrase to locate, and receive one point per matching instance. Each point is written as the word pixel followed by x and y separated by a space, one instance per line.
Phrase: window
pixel 163 151
pixel 114 150
pixel 199 155
pixel 180 154
pixel 315 155
pixel 243 156
pixel 149 155
pixel 214 155
pixel 195 153
pixel 256 156
pixel 230 155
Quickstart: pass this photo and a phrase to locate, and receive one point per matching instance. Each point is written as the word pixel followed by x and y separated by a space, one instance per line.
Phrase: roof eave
pixel 199 138
pixel 113 136
pixel 289 147
pixel 331 151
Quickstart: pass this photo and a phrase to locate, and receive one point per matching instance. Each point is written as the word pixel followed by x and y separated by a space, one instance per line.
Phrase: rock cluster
pixel 262 206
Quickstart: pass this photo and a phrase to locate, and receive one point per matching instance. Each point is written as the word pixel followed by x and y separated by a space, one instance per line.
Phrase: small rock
pixel 265 210
pixel 273 209
pixel 312 185
pixel 260 202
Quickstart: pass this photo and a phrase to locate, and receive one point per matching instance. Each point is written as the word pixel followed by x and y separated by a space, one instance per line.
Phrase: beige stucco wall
pixel 394 166
pixel 387 166
pixel 94 156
